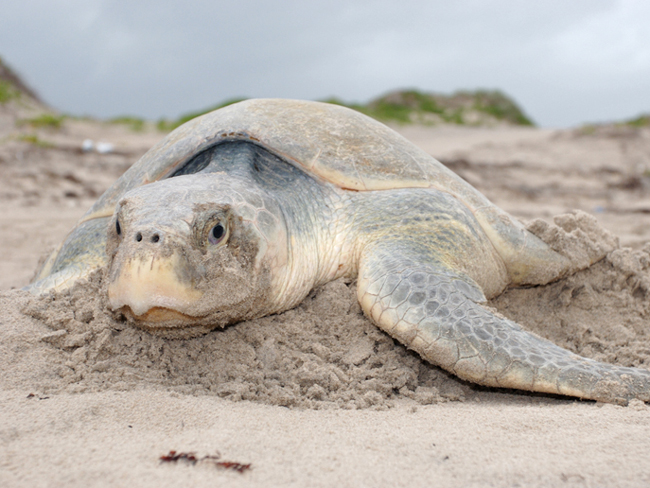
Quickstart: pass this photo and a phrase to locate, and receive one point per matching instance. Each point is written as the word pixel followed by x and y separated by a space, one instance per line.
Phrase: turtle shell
pixel 331 142
pixel 335 143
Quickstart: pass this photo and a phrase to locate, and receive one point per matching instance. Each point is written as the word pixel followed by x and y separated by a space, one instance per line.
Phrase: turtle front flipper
pixel 83 251
pixel 439 313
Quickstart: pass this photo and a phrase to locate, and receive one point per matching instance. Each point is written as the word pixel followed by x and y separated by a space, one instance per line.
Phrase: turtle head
pixel 192 253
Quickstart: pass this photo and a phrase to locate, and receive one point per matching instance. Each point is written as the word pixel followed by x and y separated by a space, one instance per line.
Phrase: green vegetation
pixel 136 124
pixel 12 87
pixel 34 140
pixel 167 125
pixel 640 121
pixel 498 105
pixel 404 106
pixel 587 129
pixel 164 125
pixel 481 107
pixel 614 128
pixel 49 121
pixel 7 92
pixel 461 108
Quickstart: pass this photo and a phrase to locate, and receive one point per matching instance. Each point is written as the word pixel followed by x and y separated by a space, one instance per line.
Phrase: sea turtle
pixel 242 212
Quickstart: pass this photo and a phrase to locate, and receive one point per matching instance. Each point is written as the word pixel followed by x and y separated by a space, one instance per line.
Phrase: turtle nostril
pixel 138 237
pixel 155 238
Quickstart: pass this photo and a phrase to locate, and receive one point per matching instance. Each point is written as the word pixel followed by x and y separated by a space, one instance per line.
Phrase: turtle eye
pixel 217 233
pixel 118 228
pixel 211 230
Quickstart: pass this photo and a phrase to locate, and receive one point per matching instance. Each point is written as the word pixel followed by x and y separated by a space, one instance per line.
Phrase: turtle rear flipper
pixel 549 252
pixel 439 312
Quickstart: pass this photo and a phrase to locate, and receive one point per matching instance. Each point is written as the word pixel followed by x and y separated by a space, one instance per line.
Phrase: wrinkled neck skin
pixel 312 247
pixel 318 249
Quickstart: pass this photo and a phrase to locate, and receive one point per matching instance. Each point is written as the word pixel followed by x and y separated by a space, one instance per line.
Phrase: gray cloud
pixel 565 62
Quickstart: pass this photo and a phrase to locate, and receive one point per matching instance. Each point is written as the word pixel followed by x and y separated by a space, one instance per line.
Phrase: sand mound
pixel 324 353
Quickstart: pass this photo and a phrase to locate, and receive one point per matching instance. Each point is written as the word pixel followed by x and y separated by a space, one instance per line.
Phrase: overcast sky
pixel 564 61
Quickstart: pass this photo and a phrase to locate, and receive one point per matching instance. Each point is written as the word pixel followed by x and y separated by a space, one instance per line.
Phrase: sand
pixel 318 396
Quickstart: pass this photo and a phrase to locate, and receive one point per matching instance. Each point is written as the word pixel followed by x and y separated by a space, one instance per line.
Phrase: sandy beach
pixel 318 396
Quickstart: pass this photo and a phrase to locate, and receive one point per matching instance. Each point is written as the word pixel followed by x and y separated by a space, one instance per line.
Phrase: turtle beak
pixel 151 275
pixel 144 284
